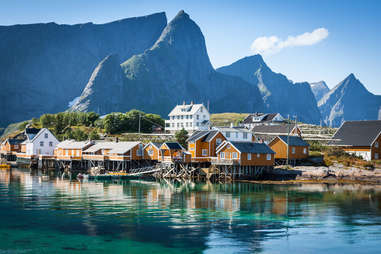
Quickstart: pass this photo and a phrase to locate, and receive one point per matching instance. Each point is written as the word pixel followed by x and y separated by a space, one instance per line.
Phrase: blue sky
pixel 231 27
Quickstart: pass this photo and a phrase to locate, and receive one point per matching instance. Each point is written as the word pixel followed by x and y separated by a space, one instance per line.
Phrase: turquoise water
pixel 49 215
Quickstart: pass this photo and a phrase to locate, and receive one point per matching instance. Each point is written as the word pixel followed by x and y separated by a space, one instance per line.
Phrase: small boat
pixel 5 166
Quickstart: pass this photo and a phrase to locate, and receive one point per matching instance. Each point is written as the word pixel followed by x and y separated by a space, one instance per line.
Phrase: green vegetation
pixel 88 125
pixel 115 123
pixel 181 137
pixel 224 119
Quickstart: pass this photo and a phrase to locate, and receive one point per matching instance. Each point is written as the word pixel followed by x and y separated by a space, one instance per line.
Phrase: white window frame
pixel 268 157
pixel 46 135
pixel 249 156
pixel 227 134
pixel 258 155
pixel 305 150
pixel 222 155
pixel 51 143
pixel 293 150
pixel 41 143
pixel 376 145
pixel 204 152
pixel 150 152
pixel 376 156
pixel 234 155
pixel 244 135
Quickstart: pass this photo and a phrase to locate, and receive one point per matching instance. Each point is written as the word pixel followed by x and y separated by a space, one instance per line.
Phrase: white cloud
pixel 272 44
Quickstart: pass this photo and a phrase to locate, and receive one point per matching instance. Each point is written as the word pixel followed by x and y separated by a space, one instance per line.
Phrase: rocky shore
pixel 335 173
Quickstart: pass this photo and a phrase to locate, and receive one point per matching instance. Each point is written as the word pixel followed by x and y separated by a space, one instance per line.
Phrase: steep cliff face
pixel 44 66
pixel 279 94
pixel 319 89
pixel 177 68
pixel 349 100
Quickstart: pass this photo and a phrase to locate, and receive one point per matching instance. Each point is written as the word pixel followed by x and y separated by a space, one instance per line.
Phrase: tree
pixel 93 135
pixel 181 137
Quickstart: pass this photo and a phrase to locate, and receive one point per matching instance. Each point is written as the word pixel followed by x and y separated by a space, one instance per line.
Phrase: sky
pixel 304 40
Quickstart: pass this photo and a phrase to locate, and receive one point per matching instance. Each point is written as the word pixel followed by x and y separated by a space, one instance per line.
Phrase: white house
pixel 262 119
pixel 236 133
pixel 43 143
pixel 191 117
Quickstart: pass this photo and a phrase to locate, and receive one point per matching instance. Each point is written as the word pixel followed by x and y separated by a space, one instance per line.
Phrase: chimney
pixel 183 102
pixel 117 140
pixel 191 102
pixel 231 125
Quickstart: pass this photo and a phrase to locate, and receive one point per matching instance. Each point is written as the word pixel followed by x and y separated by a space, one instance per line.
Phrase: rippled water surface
pixel 49 215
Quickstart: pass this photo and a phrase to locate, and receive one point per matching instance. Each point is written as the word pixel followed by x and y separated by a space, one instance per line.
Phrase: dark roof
pixel 31 132
pixel 173 145
pixel 279 128
pixel 205 135
pixel 157 144
pixel 357 133
pixel 196 135
pixel 13 141
pixel 251 147
pixel 268 117
pixel 294 140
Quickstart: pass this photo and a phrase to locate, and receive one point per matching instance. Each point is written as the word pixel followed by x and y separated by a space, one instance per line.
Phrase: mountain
pixel 279 94
pixel 349 100
pixel 45 66
pixel 319 89
pixel 175 69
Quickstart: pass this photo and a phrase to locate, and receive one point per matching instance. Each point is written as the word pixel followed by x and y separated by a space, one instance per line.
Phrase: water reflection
pixel 182 216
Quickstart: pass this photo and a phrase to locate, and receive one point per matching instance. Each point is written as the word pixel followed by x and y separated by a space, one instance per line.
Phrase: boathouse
pixel 173 152
pixel 244 154
pixel 202 145
pixel 297 148
pixel 71 149
pixel 361 138
pixel 152 151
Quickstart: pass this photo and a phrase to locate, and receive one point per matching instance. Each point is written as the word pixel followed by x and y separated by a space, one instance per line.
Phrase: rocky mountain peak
pixel 319 89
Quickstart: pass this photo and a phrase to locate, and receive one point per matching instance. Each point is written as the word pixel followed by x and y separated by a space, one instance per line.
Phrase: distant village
pixel 261 140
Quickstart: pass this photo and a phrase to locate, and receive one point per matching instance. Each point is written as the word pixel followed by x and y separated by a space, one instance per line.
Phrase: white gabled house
pixel 255 119
pixel 190 117
pixel 43 143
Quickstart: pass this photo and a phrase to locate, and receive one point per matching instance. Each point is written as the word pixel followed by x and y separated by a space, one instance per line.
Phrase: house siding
pixel 280 149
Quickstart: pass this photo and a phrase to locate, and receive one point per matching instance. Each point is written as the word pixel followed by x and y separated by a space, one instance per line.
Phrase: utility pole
pixel 139 122
pixel 288 138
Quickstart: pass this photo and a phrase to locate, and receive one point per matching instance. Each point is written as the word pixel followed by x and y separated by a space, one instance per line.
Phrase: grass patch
pixel 224 119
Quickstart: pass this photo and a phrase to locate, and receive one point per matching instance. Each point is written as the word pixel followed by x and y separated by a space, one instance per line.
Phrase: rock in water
pixel 319 89
pixel 349 100
pixel 279 94
pixel 174 69
pixel 45 66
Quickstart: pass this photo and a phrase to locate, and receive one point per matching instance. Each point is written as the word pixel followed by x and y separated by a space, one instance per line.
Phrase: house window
pixel 190 117
pixel 258 155
pixel 204 116
pixel 245 135
pixel 138 152
pixel 376 156
pixel 293 150
pixel 218 141
pixel 228 146
pixel 204 152
pixel 50 143
pixel 191 148
pixel 305 150
pixel 249 156
pixel 235 155
pixel 41 143
pixel 178 117
pixel 222 155
pixel 201 109
pixel 173 124
pixel 236 134
pixel 186 117
pixel 190 124
pixel 268 157
pixel 197 117
pixel 376 144
pixel 228 134
pixel 178 125
pixel 182 117
pixel 46 135
pixel 198 124
pixel 150 152
pixel 66 152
